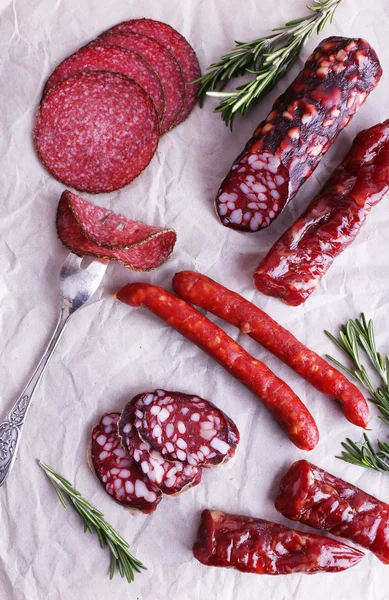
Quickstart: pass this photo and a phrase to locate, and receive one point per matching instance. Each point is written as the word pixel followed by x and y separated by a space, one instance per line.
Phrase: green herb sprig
pixel 354 336
pixel 94 522
pixel 267 58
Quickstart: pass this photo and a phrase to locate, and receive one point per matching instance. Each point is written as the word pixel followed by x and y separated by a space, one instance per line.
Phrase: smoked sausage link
pixel 230 306
pixel 258 546
pixel 283 403
pixel 303 124
pixel 294 266
pixel 316 498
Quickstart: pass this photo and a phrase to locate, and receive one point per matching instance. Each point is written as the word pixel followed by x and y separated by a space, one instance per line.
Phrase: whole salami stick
pixel 230 306
pixel 257 546
pixel 304 122
pixel 294 266
pixel 316 498
pixel 282 402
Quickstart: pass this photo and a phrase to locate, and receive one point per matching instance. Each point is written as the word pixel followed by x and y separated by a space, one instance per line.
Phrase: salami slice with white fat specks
pixel 185 428
pixel 304 122
pixel 117 471
pixel 104 57
pixel 171 478
pixel 163 63
pixel 178 46
pixel 87 229
pixel 96 131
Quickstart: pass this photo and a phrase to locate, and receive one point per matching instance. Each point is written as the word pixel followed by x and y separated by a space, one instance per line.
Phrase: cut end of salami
pixel 172 478
pixel 163 63
pixel 180 49
pixel 254 545
pixel 87 229
pixel 117 471
pixel 104 57
pixel 287 147
pixel 96 131
pixel 185 428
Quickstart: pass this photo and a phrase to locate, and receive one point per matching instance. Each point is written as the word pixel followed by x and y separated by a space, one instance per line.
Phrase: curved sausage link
pixel 230 306
pixel 282 402
pixel 303 124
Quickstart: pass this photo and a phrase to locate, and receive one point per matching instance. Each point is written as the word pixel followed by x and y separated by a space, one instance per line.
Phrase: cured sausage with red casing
pixel 230 306
pixel 294 266
pixel 283 403
pixel 304 122
pixel 257 546
pixel 316 498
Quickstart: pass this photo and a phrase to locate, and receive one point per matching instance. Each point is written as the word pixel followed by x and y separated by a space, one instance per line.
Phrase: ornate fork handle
pixel 11 428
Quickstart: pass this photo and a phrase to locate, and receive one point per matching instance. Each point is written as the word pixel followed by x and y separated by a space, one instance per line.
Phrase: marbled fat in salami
pixel 170 477
pixel 104 57
pixel 257 546
pixel 163 63
pixel 87 229
pixel 295 265
pixel 304 122
pixel 185 428
pixel 96 131
pixel 117 471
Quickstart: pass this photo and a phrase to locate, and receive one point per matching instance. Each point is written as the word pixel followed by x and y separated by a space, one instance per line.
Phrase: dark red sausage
pixel 321 500
pixel 304 122
pixel 294 266
pixel 222 302
pixel 286 407
pixel 257 546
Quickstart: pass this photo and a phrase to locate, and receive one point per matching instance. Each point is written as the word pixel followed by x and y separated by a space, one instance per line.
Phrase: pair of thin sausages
pixel 279 398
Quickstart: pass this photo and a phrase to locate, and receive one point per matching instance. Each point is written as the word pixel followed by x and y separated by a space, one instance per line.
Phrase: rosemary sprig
pixel 94 522
pixel 267 58
pixel 364 455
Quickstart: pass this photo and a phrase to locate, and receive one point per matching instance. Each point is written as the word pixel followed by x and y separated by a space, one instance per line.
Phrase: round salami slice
pixel 87 229
pixel 164 64
pixel 104 57
pixel 171 478
pixel 179 47
pixel 117 471
pixel 96 131
pixel 185 428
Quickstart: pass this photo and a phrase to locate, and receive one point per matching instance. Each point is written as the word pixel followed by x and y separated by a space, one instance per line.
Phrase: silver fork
pixel 76 287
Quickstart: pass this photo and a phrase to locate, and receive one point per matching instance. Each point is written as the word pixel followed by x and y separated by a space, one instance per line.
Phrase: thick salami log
pixel 163 63
pixel 230 306
pixel 321 500
pixel 283 403
pixel 96 131
pixel 304 122
pixel 179 47
pixel 257 546
pixel 294 266
pixel 171 478
pixel 117 471
pixel 185 428
pixel 87 229
pixel 103 57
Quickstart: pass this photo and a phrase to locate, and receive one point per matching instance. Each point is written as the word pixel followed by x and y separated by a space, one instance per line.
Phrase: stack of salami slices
pixel 104 108
pixel 159 445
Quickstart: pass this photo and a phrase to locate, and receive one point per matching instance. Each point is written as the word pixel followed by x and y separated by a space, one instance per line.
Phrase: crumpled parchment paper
pixel 110 352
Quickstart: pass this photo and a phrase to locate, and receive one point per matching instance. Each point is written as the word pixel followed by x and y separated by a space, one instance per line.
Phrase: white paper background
pixel 110 352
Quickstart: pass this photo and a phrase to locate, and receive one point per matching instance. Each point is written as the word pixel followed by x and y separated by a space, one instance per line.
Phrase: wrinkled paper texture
pixel 111 352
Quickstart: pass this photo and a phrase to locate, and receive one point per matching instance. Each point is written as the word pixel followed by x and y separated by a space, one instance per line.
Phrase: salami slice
pixel 171 478
pixel 87 229
pixel 304 122
pixel 164 64
pixel 179 47
pixel 103 57
pixel 185 428
pixel 96 131
pixel 117 471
